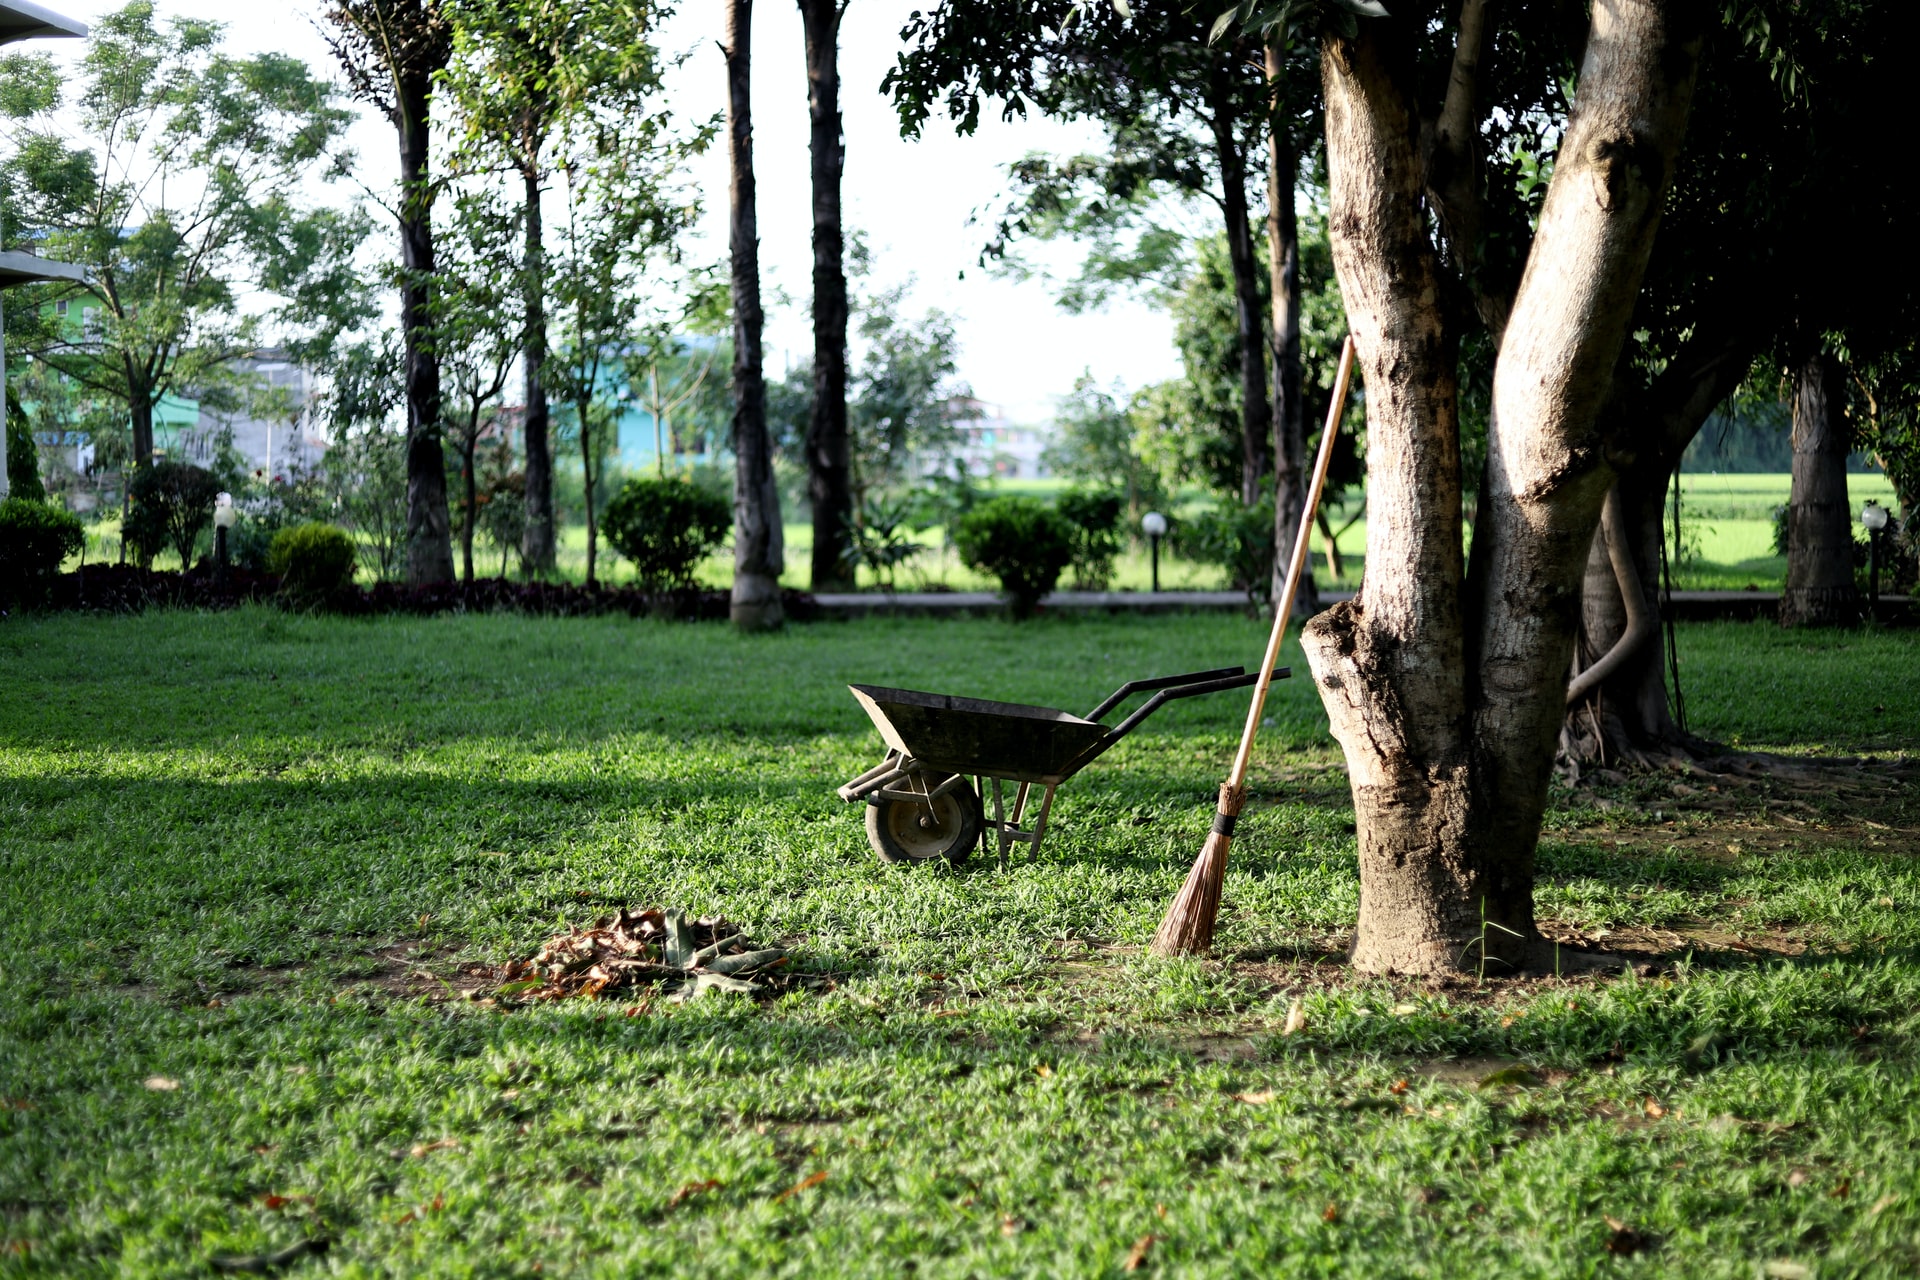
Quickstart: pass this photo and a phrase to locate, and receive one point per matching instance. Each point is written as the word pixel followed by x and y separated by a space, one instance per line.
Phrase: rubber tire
pixel 961 816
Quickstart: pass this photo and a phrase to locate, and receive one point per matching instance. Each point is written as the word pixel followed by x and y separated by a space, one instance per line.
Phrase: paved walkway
pixel 1687 604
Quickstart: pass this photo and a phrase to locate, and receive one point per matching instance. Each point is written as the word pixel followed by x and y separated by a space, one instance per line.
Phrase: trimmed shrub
pixel 665 527
pixel 1095 517
pixel 1239 539
pixel 34 538
pixel 314 561
pixel 1022 542
pixel 170 504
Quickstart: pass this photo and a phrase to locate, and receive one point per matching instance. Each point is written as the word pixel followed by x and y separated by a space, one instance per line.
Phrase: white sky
pixel 912 199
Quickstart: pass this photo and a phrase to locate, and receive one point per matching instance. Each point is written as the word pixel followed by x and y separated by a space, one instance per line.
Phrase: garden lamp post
pixel 223 518
pixel 1874 517
pixel 1154 525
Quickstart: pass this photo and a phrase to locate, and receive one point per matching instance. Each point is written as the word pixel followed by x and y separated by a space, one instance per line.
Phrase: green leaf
pixel 1361 8
pixel 1221 23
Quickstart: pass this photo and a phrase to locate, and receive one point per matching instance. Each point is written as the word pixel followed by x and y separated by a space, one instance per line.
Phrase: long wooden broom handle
pixel 1283 607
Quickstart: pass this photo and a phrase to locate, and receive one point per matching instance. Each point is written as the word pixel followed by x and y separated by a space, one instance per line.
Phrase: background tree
pixel 182 193
pixel 517 73
pixel 391 52
pixel 829 461
pixel 1182 115
pixel 477 334
pixel 758 551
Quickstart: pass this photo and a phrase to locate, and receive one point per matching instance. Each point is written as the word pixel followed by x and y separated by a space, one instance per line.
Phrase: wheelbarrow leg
pixel 1040 823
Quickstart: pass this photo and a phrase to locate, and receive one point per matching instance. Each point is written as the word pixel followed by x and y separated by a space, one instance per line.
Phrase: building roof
pixel 18 268
pixel 23 20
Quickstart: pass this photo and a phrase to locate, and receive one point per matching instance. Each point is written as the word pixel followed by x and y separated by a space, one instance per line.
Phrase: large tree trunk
pixel 829 465
pixel 1820 588
pixel 1255 413
pixel 429 527
pixel 758 551
pixel 1626 716
pixel 537 541
pixel 1289 411
pixel 1447 702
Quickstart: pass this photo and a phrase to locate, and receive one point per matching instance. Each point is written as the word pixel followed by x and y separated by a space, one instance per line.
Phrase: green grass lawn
pixel 246 854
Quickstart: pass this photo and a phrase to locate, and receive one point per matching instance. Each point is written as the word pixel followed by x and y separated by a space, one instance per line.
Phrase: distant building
pixel 275 428
pixel 988 443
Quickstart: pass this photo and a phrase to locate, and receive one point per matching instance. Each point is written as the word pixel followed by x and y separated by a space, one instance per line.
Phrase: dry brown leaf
pixel 1296 1019
pixel 1137 1256
pixel 421 1149
pixel 1043 1071
pixel 1787 1269
pixel 1886 1201
pixel 1842 1189
pixel 1798 1178
pixel 1260 1099
pixel 160 1084
pixel 689 1190
pixel 1331 1213
pixel 1653 1109
pixel 1397 1088
pixel 1012 1226
pixel 813 1179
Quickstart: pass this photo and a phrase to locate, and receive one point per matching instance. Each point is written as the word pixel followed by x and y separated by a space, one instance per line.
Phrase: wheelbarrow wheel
pixel 914 831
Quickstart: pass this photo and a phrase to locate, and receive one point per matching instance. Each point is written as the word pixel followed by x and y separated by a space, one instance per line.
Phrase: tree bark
pixel 1820 588
pixel 1289 410
pixel 141 411
pixel 429 526
pixel 538 540
pixel 1629 719
pixel 1255 412
pixel 583 409
pixel 829 462
pixel 758 550
pixel 470 485
pixel 1447 699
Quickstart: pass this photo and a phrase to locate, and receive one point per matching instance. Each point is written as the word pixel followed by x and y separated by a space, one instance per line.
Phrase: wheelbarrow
pixel 920 804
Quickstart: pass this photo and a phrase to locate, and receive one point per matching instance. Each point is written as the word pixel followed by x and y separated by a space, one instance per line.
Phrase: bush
pixel 170 504
pixel 1238 539
pixel 1095 517
pixel 1022 542
pixel 314 561
pixel 34 538
pixel 665 527
pixel 23 456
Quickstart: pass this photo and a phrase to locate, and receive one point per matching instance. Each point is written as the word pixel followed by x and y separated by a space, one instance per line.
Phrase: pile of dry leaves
pixel 641 950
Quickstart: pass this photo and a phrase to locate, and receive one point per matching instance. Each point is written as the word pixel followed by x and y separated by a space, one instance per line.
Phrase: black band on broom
pixel 1188 928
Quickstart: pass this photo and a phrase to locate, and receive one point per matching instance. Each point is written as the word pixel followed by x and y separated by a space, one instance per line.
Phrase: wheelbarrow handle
pixel 1132 687
pixel 1160 699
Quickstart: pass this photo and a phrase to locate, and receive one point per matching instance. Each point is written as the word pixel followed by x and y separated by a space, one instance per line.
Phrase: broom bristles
pixel 1188 927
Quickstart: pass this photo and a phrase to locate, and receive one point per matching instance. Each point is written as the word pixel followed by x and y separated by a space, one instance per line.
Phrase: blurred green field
pixel 1726 537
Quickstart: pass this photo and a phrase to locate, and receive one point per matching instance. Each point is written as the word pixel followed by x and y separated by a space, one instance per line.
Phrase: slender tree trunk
pixel 429 528
pixel 1289 411
pixel 472 496
pixel 1820 587
pixel 758 540
pixel 141 406
pixel 1627 719
pixel 537 540
pixel 583 406
pixel 1255 413
pixel 1448 701
pixel 829 466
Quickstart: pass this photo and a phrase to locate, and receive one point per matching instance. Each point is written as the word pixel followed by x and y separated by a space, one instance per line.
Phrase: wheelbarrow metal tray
pixel 976 736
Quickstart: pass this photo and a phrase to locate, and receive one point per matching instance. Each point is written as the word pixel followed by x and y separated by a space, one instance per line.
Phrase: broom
pixel 1188 928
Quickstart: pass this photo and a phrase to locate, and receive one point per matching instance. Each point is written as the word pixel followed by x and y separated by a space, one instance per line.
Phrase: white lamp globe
pixel 223 511
pixel 1153 524
pixel 1874 517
